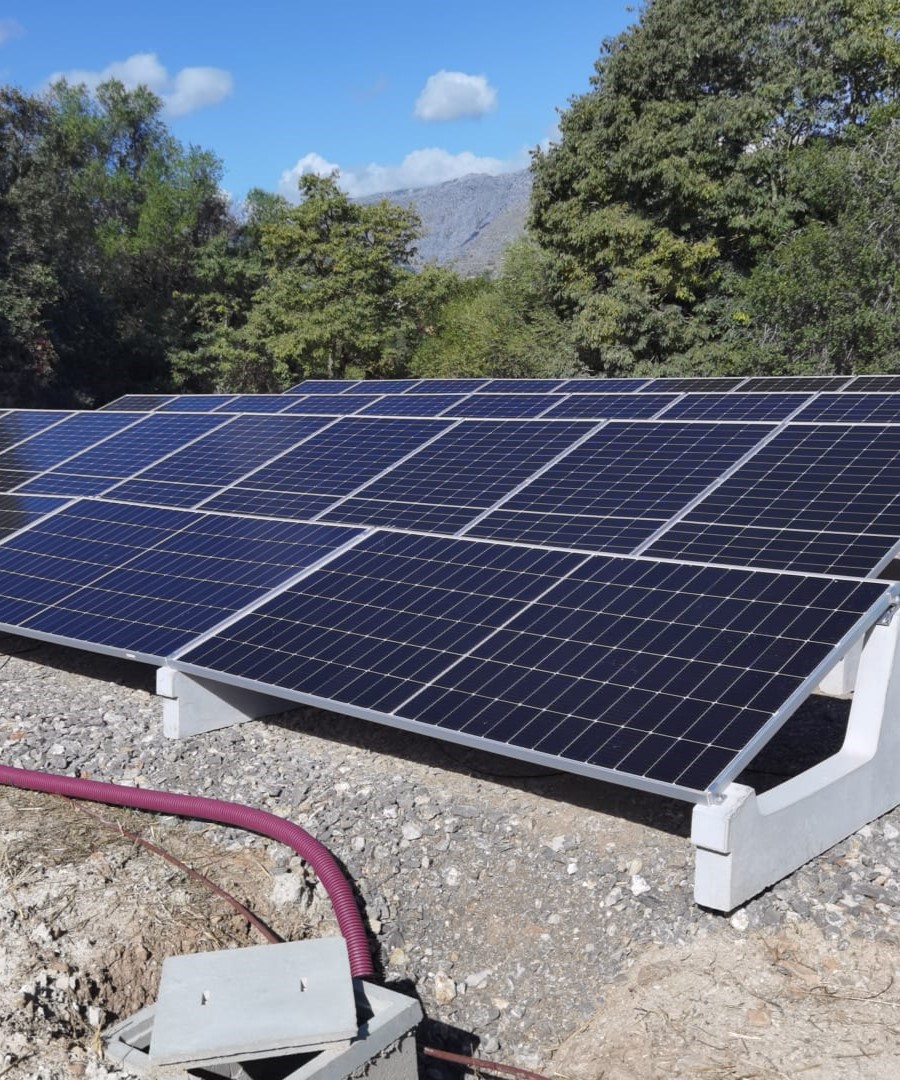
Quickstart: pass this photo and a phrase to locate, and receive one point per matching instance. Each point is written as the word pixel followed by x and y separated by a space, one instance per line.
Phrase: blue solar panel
pixel 501 406
pixel 196 403
pixel 523 386
pixel 96 469
pixel 873 383
pixel 447 386
pixel 58 442
pixel 257 403
pixel 619 533
pixel 322 386
pixel 602 406
pixel 780 549
pixel 202 469
pixel 853 408
pixel 736 406
pixel 599 385
pixel 20 424
pixel 332 463
pixel 692 385
pixel 659 675
pixel 382 386
pixel 331 405
pixel 467 469
pixel 17 511
pixel 411 405
pixel 805 383
pixel 826 478
pixel 633 470
pixel 147 580
pixel 137 403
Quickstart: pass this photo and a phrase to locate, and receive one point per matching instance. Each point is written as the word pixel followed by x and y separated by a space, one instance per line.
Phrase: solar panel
pixel 632 470
pixel 805 383
pixel 322 386
pixel 662 676
pixel 118 457
pixel 854 408
pixel 256 403
pixel 501 406
pixel 698 385
pixel 874 383
pixel 17 511
pixel 523 386
pixel 411 405
pixel 447 386
pixel 136 403
pixel 736 406
pixel 822 478
pixel 599 385
pixel 331 404
pixel 19 424
pixel 335 462
pixel 147 580
pixel 601 406
pixel 382 386
pixel 56 443
pixel 201 470
pixel 447 483
pixel 197 402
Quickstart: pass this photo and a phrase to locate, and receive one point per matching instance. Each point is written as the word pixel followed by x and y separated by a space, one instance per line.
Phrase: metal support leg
pixel 747 842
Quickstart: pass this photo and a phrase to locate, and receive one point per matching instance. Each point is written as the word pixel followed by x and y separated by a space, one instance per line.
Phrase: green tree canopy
pixel 683 166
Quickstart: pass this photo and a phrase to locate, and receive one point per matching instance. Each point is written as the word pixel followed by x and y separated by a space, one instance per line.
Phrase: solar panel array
pixel 630 578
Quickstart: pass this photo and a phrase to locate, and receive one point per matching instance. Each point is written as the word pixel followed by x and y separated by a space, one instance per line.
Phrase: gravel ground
pixel 543 920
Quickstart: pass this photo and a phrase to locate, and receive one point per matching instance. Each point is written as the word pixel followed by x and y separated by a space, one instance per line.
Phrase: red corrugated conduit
pixel 224 813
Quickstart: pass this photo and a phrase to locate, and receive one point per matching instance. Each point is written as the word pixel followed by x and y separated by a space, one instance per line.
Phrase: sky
pixel 391 94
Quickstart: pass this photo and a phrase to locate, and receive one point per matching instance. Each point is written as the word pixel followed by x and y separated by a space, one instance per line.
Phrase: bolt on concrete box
pixel 383 1047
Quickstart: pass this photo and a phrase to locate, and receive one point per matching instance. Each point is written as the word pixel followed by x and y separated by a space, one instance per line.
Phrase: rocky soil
pixel 543 920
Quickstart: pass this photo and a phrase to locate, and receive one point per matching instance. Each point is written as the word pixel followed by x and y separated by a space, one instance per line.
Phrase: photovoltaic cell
pixel 256 403
pixel 632 470
pixel 19 424
pixel 136 403
pixel 332 463
pixel 854 408
pixel 196 402
pixel 805 383
pixel 523 386
pixel 56 443
pixel 447 386
pixel 621 534
pixel 501 406
pixel 96 469
pixel 447 483
pixel 322 386
pixel 147 580
pixel 735 406
pixel 602 386
pixel 873 383
pixel 331 405
pixel 17 511
pixel 780 549
pixel 382 386
pixel 697 386
pixel 411 405
pixel 202 469
pixel 601 406
pixel 826 478
pixel 659 675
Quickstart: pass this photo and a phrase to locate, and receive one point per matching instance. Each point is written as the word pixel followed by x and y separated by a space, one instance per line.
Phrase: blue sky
pixel 394 94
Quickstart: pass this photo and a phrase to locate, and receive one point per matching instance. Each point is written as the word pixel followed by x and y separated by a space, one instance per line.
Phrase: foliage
pixel 689 162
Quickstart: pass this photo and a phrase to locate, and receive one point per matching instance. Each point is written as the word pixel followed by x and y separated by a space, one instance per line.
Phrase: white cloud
pixel 450 95
pixel 188 89
pixel 10 29
pixel 421 168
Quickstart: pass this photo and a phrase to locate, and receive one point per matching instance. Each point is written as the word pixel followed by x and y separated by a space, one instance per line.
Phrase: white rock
pixel 287 889
pixel 411 831
pixel 639 885
pixel 740 920
pixel 444 989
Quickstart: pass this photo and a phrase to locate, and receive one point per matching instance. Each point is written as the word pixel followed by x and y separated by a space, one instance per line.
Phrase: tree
pixel 335 296
pixel 675 174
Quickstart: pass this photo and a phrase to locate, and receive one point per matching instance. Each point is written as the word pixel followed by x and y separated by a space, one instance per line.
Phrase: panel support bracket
pixel 193 705
pixel 746 842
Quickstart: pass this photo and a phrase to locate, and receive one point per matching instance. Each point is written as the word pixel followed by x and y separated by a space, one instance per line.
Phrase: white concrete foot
pixel 192 704
pixel 747 842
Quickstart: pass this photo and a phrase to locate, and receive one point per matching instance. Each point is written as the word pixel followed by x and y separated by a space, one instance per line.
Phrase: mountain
pixel 468 223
